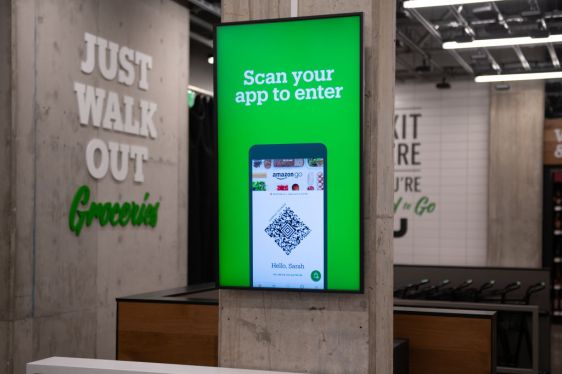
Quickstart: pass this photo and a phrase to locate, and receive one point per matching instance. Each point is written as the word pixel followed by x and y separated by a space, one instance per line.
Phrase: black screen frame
pixel 361 289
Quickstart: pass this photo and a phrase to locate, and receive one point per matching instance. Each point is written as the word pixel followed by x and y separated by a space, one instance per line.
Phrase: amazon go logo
pixel 282 176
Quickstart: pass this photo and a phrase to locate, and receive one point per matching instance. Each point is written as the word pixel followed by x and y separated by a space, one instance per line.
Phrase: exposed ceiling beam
pixel 553 15
pixel 501 19
pixel 205 5
pixel 493 61
pixel 425 23
pixel 536 7
pixel 423 39
pixel 470 32
pixel 461 20
pixel 461 61
pixel 201 23
pixel 429 28
pixel 405 75
pixel 201 39
pixel 414 47
pixel 431 51
pixel 515 67
pixel 522 58
pixel 553 56
pixel 516 48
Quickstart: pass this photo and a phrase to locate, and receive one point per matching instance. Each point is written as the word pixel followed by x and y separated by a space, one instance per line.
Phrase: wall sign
pixel 106 110
pixel 552 142
pixel 408 190
pixel 441 174
pixel 289 143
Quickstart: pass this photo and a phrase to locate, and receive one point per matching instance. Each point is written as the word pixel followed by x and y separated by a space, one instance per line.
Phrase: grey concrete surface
pixel 71 334
pixel 64 287
pixel 5 160
pixel 5 345
pixel 515 175
pixel 23 143
pixel 294 332
pixel 6 254
pixel 330 333
pixel 22 344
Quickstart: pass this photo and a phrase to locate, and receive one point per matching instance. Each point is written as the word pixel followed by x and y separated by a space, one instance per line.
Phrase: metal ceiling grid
pixel 428 28
pixel 421 32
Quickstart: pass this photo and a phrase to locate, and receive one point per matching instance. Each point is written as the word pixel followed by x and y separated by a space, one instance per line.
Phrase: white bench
pixel 67 365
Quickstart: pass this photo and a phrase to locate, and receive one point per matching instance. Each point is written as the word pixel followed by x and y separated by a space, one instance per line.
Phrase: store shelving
pixel 552 236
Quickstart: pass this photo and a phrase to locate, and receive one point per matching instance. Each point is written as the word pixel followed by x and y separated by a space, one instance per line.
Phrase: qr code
pixel 288 230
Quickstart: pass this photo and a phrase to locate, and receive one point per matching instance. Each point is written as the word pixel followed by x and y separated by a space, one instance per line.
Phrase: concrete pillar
pixel 5 186
pixel 515 175
pixel 329 333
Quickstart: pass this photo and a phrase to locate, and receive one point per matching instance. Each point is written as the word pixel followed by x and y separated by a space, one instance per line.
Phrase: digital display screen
pixel 288 217
pixel 288 110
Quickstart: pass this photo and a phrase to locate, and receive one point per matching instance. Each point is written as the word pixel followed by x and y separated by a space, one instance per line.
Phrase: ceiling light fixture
pixel 211 59
pixel 431 3
pixel 518 77
pixel 502 42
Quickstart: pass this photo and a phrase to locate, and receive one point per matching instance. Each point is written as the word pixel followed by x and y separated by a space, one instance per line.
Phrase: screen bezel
pixel 361 289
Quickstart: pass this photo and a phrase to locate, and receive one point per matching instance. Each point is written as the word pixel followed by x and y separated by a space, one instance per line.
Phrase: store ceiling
pixel 204 15
pixel 420 33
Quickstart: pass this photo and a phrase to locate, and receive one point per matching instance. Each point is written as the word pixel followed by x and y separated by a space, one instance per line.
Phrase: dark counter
pixel 206 294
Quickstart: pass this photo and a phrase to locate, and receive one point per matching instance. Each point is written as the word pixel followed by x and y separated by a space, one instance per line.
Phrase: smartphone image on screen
pixel 288 185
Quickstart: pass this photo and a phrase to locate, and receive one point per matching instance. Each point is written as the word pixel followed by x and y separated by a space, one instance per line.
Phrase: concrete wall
pixel 5 184
pixel 64 286
pixel 515 175
pixel 320 333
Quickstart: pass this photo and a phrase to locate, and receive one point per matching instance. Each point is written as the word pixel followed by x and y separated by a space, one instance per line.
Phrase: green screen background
pixel 326 43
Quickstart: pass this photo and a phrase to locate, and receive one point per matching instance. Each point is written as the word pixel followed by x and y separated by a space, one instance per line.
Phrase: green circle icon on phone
pixel 315 276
